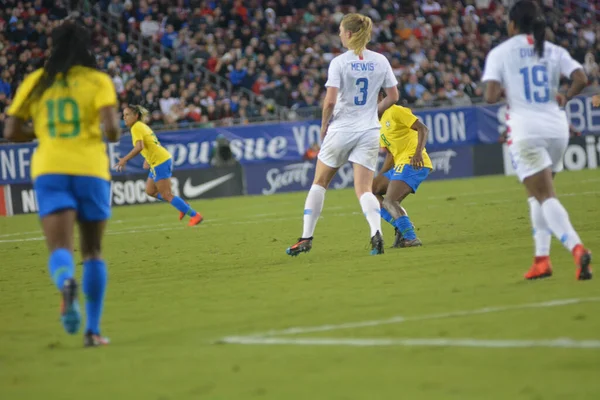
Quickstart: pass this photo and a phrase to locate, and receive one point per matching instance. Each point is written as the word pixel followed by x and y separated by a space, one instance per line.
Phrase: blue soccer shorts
pixel 407 174
pixel 87 195
pixel 161 171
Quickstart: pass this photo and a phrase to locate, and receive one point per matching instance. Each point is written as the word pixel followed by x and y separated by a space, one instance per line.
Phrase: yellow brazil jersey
pixel 398 136
pixel 153 152
pixel 66 122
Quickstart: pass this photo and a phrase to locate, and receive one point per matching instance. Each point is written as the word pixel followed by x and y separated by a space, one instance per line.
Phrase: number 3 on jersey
pixel 536 76
pixel 363 86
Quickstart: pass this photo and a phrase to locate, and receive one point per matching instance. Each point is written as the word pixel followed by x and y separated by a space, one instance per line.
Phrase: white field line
pixel 276 334
pixel 416 342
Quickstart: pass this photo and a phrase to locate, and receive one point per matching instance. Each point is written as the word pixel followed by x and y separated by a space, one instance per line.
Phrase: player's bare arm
pixel 493 92
pixel 110 123
pixel 579 81
pixel 391 97
pixel 137 149
pixel 17 130
pixel 423 132
pixel 328 106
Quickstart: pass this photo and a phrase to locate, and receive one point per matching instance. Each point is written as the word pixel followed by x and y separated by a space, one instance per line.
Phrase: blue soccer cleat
pixel 70 315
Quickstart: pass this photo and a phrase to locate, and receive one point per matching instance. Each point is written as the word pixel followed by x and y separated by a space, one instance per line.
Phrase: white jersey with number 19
pixel 358 80
pixel 531 85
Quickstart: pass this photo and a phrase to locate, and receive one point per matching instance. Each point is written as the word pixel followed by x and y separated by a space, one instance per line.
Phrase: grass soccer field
pixel 221 312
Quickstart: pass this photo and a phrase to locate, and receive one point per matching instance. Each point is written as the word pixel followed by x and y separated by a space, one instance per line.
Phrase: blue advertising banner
pixel 287 142
pixel 280 177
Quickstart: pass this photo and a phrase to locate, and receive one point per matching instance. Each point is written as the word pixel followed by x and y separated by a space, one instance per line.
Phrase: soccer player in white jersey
pixel 350 127
pixel 529 69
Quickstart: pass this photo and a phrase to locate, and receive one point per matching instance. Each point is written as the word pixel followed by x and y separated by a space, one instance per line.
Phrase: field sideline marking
pixel 417 342
pixel 274 337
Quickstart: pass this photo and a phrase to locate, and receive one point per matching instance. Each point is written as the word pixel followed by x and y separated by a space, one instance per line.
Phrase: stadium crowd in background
pixel 280 50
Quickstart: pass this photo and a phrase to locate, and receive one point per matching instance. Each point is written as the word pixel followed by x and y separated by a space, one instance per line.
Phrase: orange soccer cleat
pixel 583 260
pixel 541 268
pixel 195 220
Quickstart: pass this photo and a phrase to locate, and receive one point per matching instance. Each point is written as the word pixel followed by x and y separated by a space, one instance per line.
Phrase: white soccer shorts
pixel 360 148
pixel 530 156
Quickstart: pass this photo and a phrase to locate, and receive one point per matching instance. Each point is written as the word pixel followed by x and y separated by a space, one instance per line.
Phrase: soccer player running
pixel 157 159
pixel 68 100
pixel 529 68
pixel 406 166
pixel 350 127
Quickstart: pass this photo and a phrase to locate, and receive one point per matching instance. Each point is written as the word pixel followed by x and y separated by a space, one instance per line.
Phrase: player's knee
pixel 167 195
pixel 151 192
pixel 321 181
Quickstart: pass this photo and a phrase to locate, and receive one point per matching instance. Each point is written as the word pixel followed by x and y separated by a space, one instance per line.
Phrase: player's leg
pixel 333 154
pixel 313 206
pixel 93 211
pixel 364 157
pixel 162 178
pixel 537 174
pixel 151 189
pixel 542 237
pixel 380 184
pixel 363 182
pixel 57 213
pixel 403 183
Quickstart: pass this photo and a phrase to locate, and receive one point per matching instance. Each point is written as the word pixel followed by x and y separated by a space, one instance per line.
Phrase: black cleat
pixel 398 238
pixel 377 244
pixel 93 340
pixel 303 246
pixel 410 243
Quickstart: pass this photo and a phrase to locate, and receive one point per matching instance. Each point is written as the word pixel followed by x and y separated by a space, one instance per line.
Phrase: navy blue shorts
pixel 161 171
pixel 407 174
pixel 88 195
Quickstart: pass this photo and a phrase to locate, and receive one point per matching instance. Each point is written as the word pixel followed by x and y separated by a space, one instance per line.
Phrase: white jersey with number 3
pixel 531 84
pixel 358 80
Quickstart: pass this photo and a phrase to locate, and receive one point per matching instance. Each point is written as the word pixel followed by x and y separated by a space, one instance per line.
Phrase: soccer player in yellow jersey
pixel 68 100
pixel 406 166
pixel 157 159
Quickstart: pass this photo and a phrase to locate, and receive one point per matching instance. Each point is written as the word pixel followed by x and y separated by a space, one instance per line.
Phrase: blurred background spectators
pixel 206 63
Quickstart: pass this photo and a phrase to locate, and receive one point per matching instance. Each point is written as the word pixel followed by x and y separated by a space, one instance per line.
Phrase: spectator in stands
pixel 276 51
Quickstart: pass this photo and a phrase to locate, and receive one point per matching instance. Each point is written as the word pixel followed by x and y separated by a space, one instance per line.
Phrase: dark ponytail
pixel 528 19
pixel 539 35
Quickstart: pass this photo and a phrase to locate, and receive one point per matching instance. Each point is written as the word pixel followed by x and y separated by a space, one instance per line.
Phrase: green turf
pixel 173 291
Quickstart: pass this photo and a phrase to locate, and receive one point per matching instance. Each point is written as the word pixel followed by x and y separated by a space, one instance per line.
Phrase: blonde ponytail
pixel 361 27
pixel 140 111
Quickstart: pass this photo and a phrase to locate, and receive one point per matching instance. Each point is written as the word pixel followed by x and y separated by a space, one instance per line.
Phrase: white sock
pixel 542 235
pixel 404 209
pixel 558 220
pixel 372 211
pixel 312 209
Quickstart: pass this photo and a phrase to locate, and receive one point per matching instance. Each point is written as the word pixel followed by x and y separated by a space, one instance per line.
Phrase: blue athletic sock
pixel 182 206
pixel 158 196
pixel 405 227
pixel 94 286
pixel 61 266
pixel 385 214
